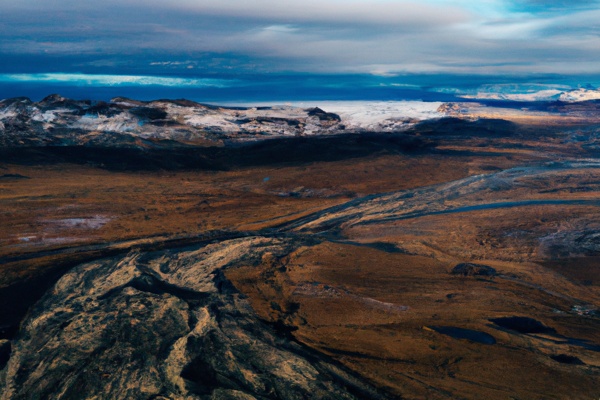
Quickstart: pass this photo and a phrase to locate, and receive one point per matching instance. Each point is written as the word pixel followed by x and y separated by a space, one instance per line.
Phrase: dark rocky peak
pixel 218 108
pixel 178 102
pixel 17 101
pixel 127 102
pixel 57 101
pixel 148 113
pixel 104 109
pixel 53 98
pixel 323 115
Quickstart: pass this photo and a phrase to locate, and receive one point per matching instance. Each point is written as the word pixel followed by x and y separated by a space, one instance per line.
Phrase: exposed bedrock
pixel 470 269
pixel 471 194
pixel 165 325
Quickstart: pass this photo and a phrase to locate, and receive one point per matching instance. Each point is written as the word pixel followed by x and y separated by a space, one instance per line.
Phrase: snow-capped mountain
pixel 533 93
pixel 580 95
pixel 60 121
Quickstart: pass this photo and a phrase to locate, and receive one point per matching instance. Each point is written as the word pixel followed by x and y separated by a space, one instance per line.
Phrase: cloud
pixel 318 11
pixel 383 37
pixel 553 5
pixel 113 80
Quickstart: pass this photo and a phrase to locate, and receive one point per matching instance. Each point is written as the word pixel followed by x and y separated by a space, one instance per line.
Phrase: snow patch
pixel 211 121
pixel 542 95
pixel 120 123
pixel 95 222
pixel 363 115
pixel 580 95
pixel 47 116
pixel 7 113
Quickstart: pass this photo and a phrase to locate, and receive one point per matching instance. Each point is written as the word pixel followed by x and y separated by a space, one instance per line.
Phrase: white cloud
pixel 114 80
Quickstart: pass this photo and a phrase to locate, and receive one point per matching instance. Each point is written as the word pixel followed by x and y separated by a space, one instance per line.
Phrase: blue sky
pixel 521 41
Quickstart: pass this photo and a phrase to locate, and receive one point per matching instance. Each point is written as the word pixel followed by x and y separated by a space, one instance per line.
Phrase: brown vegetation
pixel 371 295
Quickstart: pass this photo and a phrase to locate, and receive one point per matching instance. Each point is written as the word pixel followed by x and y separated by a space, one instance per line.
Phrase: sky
pixel 219 46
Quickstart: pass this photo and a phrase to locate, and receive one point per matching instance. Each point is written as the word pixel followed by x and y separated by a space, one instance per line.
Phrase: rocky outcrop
pixel 165 325
pixel 57 121
pixel 5 349
pixel 323 115
pixel 470 269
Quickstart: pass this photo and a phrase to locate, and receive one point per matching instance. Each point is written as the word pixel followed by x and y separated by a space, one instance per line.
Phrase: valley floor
pixel 343 273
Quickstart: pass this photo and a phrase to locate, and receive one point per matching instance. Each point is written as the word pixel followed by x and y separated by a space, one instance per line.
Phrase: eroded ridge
pixel 165 325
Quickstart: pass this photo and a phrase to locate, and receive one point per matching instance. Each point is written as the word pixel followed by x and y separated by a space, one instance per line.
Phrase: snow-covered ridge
pixel 57 120
pixel 535 94
pixel 60 121
pixel 382 116
pixel 580 95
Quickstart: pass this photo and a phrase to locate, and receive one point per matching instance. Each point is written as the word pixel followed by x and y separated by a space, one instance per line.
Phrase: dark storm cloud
pixel 380 37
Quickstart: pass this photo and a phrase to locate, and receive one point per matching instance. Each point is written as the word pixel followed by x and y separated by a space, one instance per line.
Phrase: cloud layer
pixel 90 80
pixel 383 37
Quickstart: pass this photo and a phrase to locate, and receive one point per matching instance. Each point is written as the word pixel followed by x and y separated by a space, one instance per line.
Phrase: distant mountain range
pixel 56 120
pixel 536 94
pixel 59 121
